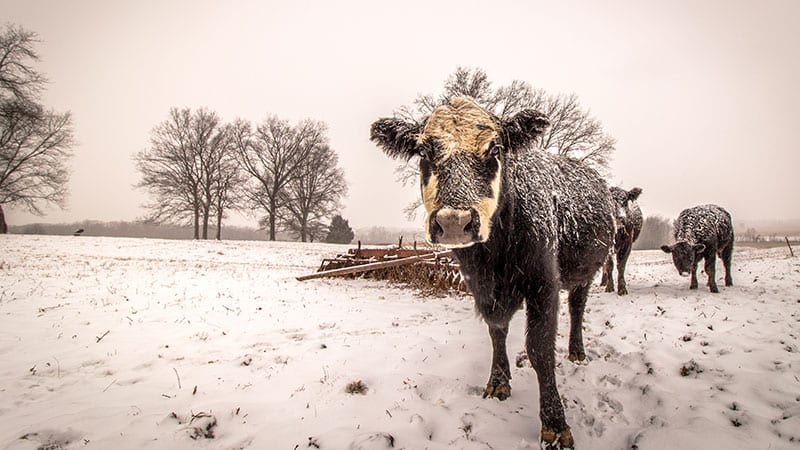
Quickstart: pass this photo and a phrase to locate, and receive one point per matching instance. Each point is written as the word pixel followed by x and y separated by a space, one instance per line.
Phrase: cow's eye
pixel 495 149
pixel 427 152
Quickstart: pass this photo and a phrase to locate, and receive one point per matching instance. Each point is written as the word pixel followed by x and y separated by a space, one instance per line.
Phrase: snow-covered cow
pixel 522 223
pixel 629 225
pixel 702 232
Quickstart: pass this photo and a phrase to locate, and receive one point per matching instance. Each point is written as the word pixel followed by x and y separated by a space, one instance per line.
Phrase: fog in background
pixel 702 97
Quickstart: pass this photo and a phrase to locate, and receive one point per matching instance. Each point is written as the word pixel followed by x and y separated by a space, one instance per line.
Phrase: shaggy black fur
pixel 703 232
pixel 629 226
pixel 402 135
pixel 552 230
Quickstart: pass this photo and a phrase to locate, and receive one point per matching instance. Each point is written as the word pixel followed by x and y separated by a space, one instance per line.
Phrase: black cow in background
pixel 522 223
pixel 629 226
pixel 702 232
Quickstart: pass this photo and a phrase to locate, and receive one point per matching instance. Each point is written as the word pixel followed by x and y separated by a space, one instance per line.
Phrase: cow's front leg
pixel 499 385
pixel 497 310
pixel 693 282
pixel 711 271
pixel 542 314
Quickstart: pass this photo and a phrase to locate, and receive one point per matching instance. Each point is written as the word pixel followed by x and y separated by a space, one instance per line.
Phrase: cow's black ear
pixel 634 193
pixel 666 249
pixel 522 130
pixel 396 137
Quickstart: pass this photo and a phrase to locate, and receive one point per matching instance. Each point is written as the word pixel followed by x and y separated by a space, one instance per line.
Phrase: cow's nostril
pixel 473 227
pixel 468 227
pixel 436 229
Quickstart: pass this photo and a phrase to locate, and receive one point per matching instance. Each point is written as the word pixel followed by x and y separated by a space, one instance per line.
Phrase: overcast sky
pixel 703 97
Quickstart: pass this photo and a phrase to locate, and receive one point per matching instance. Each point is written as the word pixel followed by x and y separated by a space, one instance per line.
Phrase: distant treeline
pixel 132 229
pixel 387 236
pixel 367 236
pixel 656 232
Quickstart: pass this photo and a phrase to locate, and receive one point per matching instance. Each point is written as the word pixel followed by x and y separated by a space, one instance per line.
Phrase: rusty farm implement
pixel 431 270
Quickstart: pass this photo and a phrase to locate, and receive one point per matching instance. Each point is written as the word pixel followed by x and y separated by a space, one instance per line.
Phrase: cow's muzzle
pixel 454 227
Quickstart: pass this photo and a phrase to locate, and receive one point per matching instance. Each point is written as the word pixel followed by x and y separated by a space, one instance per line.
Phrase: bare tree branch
pixel 35 143
pixel 273 155
pixel 18 78
pixel 314 194
pixel 189 170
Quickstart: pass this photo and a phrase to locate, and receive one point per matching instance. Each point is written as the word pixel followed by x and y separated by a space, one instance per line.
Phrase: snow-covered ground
pixel 137 343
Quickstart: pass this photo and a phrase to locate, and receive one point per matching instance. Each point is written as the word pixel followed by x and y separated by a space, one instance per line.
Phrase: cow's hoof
pixel 729 283
pixel 609 288
pixel 555 440
pixel 622 291
pixel 500 391
pixel 714 289
pixel 692 286
pixel 576 356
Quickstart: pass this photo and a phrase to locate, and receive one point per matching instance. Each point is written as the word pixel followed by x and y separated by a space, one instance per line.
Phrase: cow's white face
pixel 460 173
pixel 461 149
pixel 624 201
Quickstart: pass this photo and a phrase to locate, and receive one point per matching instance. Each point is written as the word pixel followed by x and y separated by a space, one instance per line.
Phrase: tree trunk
pixel 219 223
pixel 304 228
pixel 205 221
pixel 196 222
pixel 272 205
pixel 3 224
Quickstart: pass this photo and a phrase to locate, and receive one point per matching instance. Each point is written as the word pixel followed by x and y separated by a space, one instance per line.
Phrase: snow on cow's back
pixel 703 223
pixel 560 197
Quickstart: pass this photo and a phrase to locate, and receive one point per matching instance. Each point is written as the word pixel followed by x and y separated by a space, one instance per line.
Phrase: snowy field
pixel 111 343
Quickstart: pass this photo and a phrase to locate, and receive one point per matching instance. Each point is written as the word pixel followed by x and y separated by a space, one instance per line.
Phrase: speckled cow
pixel 521 222
pixel 629 225
pixel 702 232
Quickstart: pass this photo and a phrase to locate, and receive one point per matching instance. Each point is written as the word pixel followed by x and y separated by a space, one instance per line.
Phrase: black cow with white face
pixel 629 226
pixel 522 223
pixel 702 232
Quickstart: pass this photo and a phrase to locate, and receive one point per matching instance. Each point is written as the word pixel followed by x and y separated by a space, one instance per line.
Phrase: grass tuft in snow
pixel 356 387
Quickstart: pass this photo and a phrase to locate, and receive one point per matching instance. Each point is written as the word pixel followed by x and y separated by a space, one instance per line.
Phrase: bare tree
pixel 227 180
pixel 272 155
pixel 187 168
pixel 573 132
pixel 35 143
pixel 313 194
pixel 169 172
pixel 210 144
